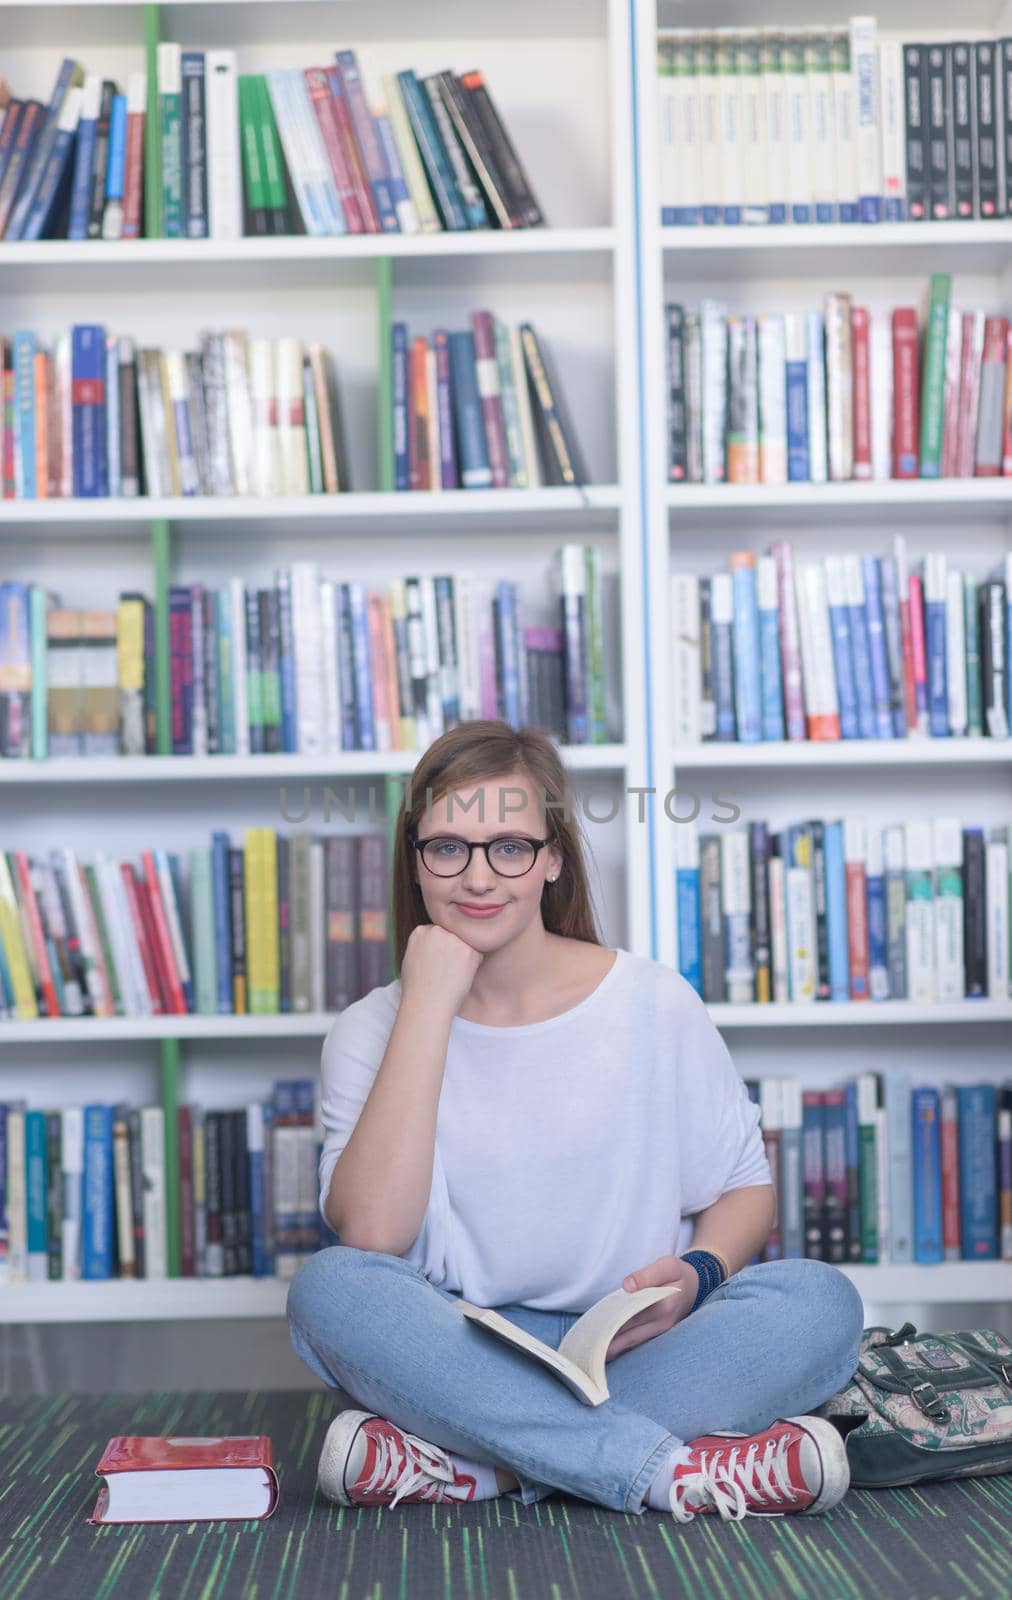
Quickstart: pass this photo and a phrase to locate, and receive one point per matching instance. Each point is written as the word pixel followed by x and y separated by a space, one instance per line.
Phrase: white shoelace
pixel 725 1482
pixel 408 1470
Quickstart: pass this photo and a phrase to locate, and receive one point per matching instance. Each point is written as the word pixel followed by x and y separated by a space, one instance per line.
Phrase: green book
pixel 254 188
pixel 94 895
pixel 933 374
pixel 275 193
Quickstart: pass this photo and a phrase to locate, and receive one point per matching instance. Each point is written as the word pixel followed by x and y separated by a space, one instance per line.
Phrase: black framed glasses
pixel 445 856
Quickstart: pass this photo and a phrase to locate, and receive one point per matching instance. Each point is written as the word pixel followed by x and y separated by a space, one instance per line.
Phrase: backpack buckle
pixel 929 1400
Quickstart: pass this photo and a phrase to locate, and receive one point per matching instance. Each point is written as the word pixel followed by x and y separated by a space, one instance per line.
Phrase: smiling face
pixel 479 905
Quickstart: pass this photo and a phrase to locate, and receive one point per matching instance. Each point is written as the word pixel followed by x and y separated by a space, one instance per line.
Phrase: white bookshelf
pixel 560 73
pixel 695 527
pixel 569 76
pixel 231 1299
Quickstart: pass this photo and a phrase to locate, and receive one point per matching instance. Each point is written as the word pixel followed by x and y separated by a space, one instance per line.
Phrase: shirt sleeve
pixel 350 1059
pixel 720 1142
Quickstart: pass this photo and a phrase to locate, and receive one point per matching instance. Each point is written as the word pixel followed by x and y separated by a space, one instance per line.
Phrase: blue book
pixel 898 1097
pixel 433 153
pixel 69 74
pixel 56 170
pixel 87 359
pixel 193 142
pixel 836 912
pixel 369 146
pixel 448 651
pixel 506 618
pixel 365 728
pixel 346 667
pixel 84 159
pixel 404 206
pixel 25 486
pixel 843 655
pixel 772 692
pixel 286 664
pixel 399 342
pixel 860 645
pixel 746 652
pixel 222 920
pixel 978 1193
pixel 722 655
pixel 226 685
pixel 796 378
pixel 115 170
pixel 689 912
pixel 472 447
pixel 37 1194
pixel 894 644
pixel 8 134
pixel 448 474
pixel 925 1134
pixel 875 621
pixel 934 647
pixel 97 1221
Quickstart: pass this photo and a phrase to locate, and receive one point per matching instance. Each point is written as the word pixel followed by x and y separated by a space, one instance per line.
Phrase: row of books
pixel 809 124
pixel 276 924
pixel 292 150
pixel 90 415
pixel 846 647
pixel 843 911
pixel 479 408
pixel 845 393
pixel 310 665
pixel 884 1171
pixel 85 1190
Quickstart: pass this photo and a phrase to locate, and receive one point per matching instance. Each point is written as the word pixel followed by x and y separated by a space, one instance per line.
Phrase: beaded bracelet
pixel 712 1271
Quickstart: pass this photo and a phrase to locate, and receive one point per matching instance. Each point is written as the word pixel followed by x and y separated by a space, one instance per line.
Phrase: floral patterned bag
pixel 926 1405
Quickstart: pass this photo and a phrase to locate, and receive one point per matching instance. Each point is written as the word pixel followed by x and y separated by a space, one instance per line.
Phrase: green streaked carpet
pixel 948 1541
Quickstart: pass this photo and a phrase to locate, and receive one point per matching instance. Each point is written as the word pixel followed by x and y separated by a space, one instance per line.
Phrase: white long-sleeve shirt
pixel 568 1152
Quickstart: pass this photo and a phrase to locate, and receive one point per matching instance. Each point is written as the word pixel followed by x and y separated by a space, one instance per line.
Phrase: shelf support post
pixel 152 128
pixel 384 297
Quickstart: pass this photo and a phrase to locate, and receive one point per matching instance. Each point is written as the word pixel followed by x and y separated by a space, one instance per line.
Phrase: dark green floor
pixel 950 1541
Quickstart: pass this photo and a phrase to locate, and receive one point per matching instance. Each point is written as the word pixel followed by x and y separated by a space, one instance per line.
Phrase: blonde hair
pixel 472 753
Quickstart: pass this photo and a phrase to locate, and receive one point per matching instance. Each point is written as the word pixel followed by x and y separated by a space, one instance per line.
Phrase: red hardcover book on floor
pixel 860 320
pixel 180 1479
pixel 906 394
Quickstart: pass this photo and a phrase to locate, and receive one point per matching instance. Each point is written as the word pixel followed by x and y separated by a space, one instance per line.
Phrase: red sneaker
pixel 796 1464
pixel 368 1461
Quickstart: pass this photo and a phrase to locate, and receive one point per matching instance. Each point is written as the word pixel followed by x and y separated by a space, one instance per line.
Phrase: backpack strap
pixel 907 1379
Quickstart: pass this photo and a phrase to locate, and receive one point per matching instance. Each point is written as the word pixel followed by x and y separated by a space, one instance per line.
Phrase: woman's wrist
pixel 711 1271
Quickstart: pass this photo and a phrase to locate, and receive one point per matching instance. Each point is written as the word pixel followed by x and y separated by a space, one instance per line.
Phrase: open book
pixel 580 1358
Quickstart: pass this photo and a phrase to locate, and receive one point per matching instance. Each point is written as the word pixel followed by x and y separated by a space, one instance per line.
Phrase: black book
pixel 822 985
pixel 238 952
pixel 243 1217
pixel 213 1252
pixel 560 456
pixel 211 675
pixel 522 197
pixel 914 100
pixel 54 1194
pixel 133 1119
pixel 226 1134
pixel 678 439
pixel 985 126
pixel 938 108
pixel 975 913
pixel 270 647
pixel 759 851
pixel 711 911
pixel 960 66
pixel 100 160
pixel 254 673
pixel 1003 118
pixel 474 141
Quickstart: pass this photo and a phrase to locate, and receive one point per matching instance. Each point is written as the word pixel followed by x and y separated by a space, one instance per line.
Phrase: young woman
pixel 529 1120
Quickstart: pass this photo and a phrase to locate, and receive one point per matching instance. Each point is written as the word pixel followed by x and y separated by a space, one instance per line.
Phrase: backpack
pixel 926 1405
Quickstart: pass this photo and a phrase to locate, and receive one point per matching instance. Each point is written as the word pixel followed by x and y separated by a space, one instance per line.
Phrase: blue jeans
pixel 775 1340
